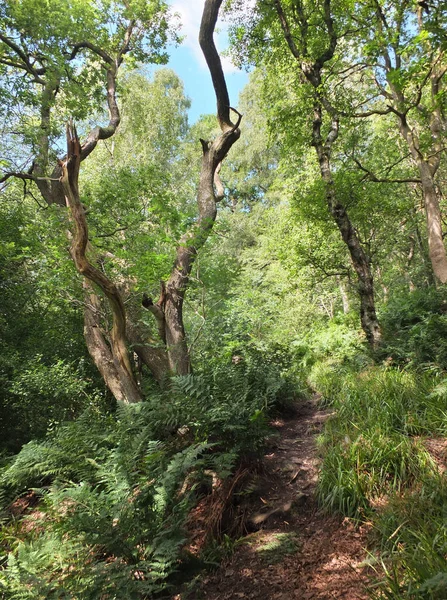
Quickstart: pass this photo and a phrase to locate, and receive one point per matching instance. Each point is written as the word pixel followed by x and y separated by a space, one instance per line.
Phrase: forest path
pixel 296 552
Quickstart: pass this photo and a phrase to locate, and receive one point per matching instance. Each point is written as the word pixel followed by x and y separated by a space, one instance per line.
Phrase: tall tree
pixel 310 33
pixel 60 61
pixel 169 309
pixel 54 89
pixel 403 51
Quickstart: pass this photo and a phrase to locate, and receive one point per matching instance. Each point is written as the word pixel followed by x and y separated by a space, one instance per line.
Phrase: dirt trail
pixel 296 552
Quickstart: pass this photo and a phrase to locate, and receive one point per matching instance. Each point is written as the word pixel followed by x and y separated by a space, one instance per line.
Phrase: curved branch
pixel 207 26
pixel 103 133
pixel 209 192
pixel 70 174
pixel 96 49
pixel 24 176
pixel 27 66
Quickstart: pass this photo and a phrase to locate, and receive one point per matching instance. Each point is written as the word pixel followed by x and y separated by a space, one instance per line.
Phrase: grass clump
pixel 372 447
pixel 411 534
pixel 375 466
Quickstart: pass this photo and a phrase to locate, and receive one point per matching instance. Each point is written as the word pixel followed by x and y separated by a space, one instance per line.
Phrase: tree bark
pixel 359 258
pixel 118 382
pixel 312 70
pixel 427 170
pixel 344 295
pixel 427 161
pixel 436 248
pixel 151 354
pixel 168 311
pixel 114 364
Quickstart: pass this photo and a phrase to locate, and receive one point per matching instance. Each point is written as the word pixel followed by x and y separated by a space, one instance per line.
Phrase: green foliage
pixel 48 32
pixel 227 405
pixel 42 396
pixel 368 448
pixel 415 327
pixel 45 376
pixel 114 499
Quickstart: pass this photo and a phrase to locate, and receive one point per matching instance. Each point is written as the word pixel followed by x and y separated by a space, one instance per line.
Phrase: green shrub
pixel 40 396
pixel 415 329
pixel 228 406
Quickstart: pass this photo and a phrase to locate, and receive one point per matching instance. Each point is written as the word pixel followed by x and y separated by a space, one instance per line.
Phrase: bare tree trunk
pixel 112 361
pixel 168 311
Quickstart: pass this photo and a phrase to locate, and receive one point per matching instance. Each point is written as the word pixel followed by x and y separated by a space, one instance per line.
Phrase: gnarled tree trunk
pixel 110 356
pixel 168 311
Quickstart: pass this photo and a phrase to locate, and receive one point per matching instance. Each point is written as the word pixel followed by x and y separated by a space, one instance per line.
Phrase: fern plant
pixel 116 490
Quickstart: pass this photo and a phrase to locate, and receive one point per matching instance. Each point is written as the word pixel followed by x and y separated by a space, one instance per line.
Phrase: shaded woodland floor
pixel 295 552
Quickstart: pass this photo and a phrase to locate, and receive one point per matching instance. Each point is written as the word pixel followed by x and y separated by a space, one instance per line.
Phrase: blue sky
pixel 188 62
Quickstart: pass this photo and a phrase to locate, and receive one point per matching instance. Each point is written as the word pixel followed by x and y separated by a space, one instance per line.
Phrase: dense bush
pixel 40 396
pixel 415 329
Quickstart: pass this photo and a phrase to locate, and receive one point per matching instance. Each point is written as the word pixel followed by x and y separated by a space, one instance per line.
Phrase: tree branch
pixel 286 30
pixel 207 26
pixel 370 176
pixel 96 49
pixel 103 133
pixel 27 66
pixel 330 50
pixel 24 176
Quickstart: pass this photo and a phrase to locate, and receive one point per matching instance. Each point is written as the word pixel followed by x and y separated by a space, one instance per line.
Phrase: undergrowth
pixel 375 466
pixel 116 490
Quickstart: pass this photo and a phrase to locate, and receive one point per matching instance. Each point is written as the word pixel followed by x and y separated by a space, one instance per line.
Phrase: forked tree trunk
pixel 171 356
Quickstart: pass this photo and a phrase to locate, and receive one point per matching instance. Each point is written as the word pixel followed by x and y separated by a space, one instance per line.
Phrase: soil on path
pixel 295 552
